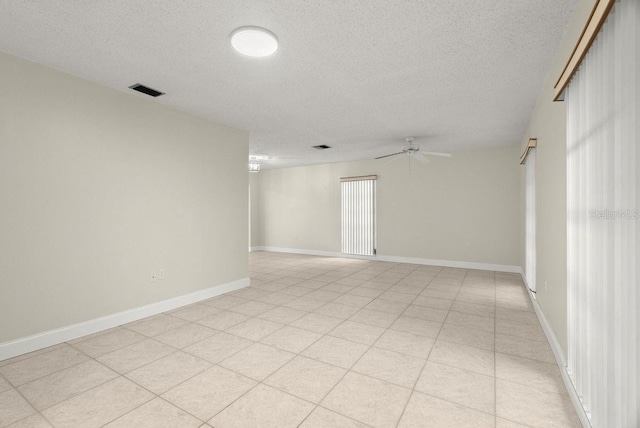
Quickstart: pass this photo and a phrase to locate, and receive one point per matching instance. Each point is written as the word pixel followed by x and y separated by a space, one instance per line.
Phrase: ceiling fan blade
pixel 392 154
pixel 446 155
pixel 420 158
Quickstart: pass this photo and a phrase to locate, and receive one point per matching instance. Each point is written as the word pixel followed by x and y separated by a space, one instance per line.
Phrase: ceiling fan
pixel 414 151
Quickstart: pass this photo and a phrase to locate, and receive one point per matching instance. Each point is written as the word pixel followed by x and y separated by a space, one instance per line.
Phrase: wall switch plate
pixel 468 245
pixel 154 276
pixel 161 274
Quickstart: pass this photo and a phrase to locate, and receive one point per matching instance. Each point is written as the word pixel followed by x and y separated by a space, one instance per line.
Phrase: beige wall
pixel 548 125
pixel 427 211
pixel 98 189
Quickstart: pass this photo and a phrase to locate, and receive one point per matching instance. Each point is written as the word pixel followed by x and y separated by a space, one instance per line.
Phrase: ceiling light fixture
pixel 255 42
pixel 254 166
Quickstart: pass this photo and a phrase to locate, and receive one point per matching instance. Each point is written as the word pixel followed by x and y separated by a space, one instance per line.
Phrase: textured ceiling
pixel 358 75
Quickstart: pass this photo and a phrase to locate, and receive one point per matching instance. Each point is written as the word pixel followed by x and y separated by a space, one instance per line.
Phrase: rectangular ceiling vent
pixel 322 147
pixel 146 90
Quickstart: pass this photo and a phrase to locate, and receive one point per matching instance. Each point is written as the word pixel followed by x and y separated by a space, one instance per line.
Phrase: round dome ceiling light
pixel 254 41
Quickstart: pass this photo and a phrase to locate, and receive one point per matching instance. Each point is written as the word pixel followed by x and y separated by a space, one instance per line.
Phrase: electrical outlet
pixel 545 285
pixel 161 274
pixel 154 276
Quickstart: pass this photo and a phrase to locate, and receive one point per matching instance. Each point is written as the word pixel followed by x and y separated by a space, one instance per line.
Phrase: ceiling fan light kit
pixel 254 164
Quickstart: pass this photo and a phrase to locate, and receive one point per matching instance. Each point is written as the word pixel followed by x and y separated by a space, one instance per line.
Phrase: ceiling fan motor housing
pixel 410 149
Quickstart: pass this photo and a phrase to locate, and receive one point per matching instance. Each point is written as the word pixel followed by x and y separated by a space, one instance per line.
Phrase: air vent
pixel 146 90
pixel 322 147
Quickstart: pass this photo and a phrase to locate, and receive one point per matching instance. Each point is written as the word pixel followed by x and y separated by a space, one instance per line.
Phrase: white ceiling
pixel 358 75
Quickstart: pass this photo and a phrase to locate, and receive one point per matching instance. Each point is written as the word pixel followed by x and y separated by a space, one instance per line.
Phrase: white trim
pixel 526 283
pixel 74 331
pixel 395 259
pixel 561 361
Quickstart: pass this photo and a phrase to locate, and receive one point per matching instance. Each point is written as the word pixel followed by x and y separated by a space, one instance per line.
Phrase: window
pixel 359 215
pixel 603 234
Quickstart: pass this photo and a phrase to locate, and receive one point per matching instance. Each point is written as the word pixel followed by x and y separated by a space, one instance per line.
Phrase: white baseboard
pixel 561 360
pixel 395 259
pixel 74 331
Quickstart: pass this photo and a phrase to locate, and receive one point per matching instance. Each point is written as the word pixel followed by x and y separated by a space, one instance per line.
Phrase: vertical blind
pixel 530 220
pixel 359 215
pixel 603 181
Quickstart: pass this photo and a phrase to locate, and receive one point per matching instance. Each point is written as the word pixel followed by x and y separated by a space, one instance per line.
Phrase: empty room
pixel 318 214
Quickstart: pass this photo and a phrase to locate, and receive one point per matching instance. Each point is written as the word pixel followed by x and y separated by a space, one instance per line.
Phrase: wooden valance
pixel 360 178
pixel 532 144
pixel 596 20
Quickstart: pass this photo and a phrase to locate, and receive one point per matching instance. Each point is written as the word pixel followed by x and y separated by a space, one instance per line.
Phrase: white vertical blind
pixel 603 184
pixel 531 220
pixel 358 215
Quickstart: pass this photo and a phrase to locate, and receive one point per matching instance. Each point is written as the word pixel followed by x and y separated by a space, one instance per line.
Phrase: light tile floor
pixel 313 342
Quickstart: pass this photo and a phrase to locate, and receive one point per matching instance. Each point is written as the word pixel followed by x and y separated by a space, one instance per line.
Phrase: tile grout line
pixel 90 358
pixel 347 371
pixel 37 412
pixel 400 314
pixel 257 382
pixel 428 355
pixel 124 376
pixel 494 334
pixel 25 357
pixel 48 374
pixel 159 396
pixel 41 412
pixel 324 303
